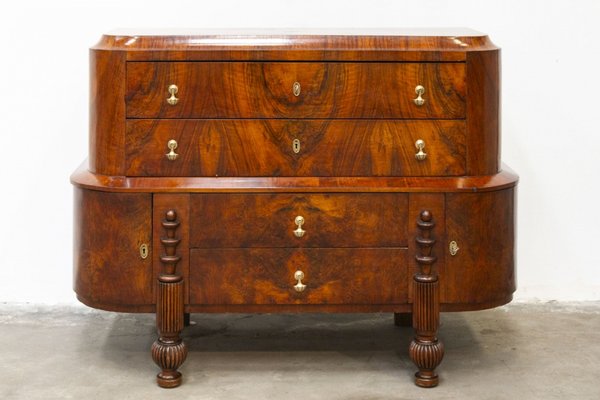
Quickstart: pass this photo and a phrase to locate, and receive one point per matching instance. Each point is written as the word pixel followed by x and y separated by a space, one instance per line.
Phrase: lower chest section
pixel 251 251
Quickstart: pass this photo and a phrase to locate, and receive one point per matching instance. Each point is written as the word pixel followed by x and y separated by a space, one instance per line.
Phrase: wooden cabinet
pixel 293 173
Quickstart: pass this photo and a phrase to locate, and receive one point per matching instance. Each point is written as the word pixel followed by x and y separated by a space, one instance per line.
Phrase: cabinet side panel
pixel 483 112
pixel 109 228
pixel 483 269
pixel 107 112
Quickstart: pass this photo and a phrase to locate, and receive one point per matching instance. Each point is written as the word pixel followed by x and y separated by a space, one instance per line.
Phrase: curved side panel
pixel 483 112
pixel 109 228
pixel 107 112
pixel 483 270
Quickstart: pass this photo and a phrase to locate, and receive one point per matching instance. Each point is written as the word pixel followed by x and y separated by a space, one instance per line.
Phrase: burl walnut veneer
pixel 306 171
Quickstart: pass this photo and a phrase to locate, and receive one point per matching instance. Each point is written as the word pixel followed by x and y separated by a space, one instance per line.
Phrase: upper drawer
pixel 293 147
pixel 294 90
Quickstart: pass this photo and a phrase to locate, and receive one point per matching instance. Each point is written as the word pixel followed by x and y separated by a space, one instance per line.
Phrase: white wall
pixel 551 85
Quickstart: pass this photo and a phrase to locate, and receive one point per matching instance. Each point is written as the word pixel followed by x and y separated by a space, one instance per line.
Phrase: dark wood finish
pixel 169 351
pixel 107 112
pixel 162 203
pixel 467 184
pixel 434 203
pixel 483 112
pixel 426 350
pixel 220 218
pixel 264 90
pixel 268 220
pixel 109 272
pixel 264 148
pixel 266 276
pixel 483 269
pixel 403 319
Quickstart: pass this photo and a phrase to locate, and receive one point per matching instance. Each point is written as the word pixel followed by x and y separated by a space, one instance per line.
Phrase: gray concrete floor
pixel 535 351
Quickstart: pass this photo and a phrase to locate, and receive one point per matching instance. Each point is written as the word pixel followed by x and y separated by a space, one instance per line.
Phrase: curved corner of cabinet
pixel 483 112
pixel 109 271
pixel 481 274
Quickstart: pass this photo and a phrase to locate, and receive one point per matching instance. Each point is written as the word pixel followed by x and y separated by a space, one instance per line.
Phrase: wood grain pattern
pixel 108 271
pixel 266 276
pixel 331 220
pixel 83 178
pixel 264 148
pixel 483 112
pixel 305 44
pixel 483 270
pixel 264 90
pixel 107 112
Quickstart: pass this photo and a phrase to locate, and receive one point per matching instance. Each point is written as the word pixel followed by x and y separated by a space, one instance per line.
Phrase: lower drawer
pixel 267 276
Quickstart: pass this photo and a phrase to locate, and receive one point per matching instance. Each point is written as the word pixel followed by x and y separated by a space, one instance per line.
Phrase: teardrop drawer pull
pixel 420 145
pixel 173 89
pixel 419 101
pixel 298 276
pixel 172 145
pixel 299 221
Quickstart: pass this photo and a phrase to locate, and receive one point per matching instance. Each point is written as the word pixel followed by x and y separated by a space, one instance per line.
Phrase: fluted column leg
pixel 169 351
pixel 426 350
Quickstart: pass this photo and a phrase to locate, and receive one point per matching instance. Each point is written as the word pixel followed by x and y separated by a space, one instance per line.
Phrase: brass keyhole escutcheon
pixel 296 146
pixel 420 145
pixel 299 221
pixel 419 101
pixel 172 145
pixel 299 286
pixel 453 248
pixel 173 89
pixel 296 89
pixel 144 251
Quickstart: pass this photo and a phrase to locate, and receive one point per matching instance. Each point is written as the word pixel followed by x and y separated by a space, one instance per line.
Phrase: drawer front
pixel 294 90
pixel 267 276
pixel 269 220
pixel 295 148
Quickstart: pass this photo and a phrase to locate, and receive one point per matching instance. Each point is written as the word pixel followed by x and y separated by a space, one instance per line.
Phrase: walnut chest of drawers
pixel 295 172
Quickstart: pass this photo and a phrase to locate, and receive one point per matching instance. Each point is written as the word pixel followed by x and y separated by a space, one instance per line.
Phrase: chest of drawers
pixel 294 172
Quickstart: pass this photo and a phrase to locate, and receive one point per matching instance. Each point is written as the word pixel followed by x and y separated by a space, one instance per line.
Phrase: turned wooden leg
pixel 426 350
pixel 403 319
pixel 169 351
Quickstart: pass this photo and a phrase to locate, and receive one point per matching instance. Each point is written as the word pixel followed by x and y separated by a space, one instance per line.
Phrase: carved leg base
pixel 169 357
pixel 426 356
pixel 403 319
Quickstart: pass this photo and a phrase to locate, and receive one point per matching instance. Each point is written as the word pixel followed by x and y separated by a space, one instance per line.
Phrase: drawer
pixel 295 148
pixel 267 276
pixel 269 220
pixel 294 90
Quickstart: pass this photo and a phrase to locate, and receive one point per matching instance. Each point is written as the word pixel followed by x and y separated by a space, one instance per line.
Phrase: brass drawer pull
pixel 172 145
pixel 299 275
pixel 296 89
pixel 419 90
pixel 299 221
pixel 420 145
pixel 173 89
